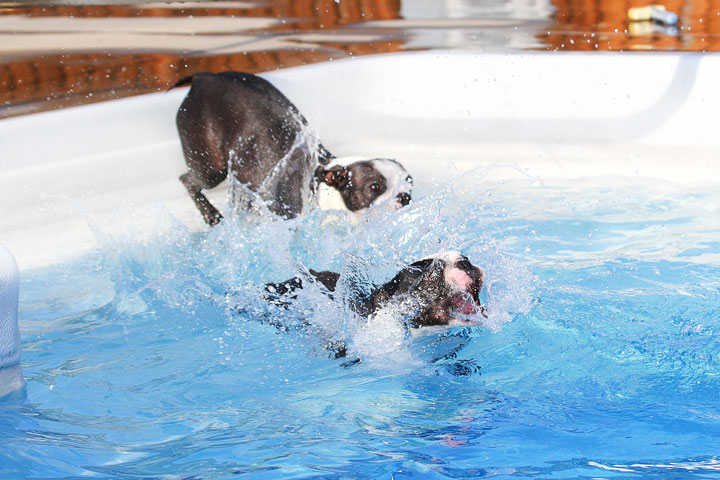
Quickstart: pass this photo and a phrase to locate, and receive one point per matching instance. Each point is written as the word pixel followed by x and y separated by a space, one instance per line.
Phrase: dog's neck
pixel 328 198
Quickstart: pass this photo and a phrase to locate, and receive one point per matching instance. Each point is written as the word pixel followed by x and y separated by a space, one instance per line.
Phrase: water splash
pixel 155 260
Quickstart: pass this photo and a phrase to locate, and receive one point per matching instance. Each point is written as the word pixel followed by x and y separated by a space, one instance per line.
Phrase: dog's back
pixel 240 121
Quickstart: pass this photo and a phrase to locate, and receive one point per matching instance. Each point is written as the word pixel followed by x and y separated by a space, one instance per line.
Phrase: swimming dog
pixel 240 123
pixel 441 290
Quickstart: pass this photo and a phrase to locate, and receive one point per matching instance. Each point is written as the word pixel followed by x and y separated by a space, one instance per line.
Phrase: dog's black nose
pixel 403 198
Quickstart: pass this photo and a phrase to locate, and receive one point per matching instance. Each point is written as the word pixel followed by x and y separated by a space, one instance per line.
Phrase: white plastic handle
pixel 10 374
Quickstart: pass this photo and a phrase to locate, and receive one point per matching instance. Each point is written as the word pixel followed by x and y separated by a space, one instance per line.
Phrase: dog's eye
pixel 374 186
pixel 464 264
pixel 409 180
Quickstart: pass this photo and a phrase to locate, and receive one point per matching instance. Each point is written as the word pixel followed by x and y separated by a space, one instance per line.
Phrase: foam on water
pixel 157 356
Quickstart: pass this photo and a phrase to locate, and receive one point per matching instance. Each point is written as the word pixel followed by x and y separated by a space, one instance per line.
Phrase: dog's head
pixel 362 184
pixel 443 287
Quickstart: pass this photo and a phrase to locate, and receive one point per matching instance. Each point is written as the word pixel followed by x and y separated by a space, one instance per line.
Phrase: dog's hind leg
pixel 194 187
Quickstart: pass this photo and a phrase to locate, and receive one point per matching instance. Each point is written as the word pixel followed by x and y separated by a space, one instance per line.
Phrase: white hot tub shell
pixel 569 115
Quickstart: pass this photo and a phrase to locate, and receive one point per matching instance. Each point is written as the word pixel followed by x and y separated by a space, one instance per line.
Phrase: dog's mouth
pixel 467 302
pixel 460 309
pixel 464 303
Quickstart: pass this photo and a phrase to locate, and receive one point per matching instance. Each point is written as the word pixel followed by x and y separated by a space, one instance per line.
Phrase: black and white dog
pixel 240 123
pixel 440 290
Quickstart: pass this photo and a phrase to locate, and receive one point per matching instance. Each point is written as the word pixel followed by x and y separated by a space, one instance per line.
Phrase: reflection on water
pixel 55 56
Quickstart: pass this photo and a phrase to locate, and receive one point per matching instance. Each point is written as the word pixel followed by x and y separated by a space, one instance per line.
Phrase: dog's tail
pixel 182 82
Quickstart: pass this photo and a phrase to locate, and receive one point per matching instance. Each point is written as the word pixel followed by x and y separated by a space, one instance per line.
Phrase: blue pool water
pixel 146 359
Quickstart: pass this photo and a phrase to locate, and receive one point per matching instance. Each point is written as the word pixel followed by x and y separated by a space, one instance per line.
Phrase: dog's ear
pixel 338 176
